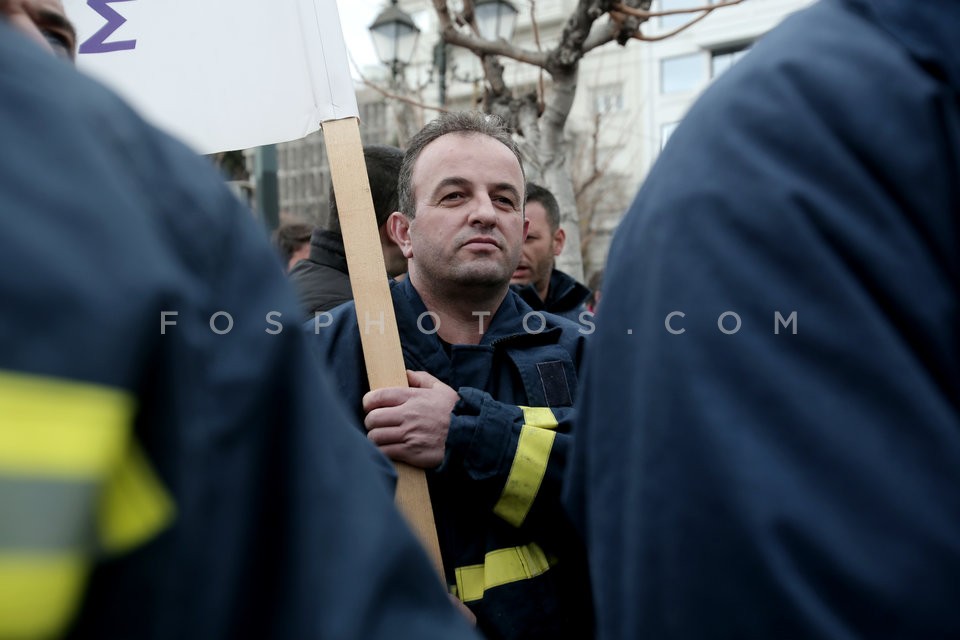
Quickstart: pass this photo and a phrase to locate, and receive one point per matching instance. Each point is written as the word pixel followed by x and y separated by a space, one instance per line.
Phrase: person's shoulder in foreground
pixel 769 437
pixel 170 477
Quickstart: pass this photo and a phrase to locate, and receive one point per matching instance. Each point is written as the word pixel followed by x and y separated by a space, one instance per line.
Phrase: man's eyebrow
pixel 57 20
pixel 506 186
pixel 452 181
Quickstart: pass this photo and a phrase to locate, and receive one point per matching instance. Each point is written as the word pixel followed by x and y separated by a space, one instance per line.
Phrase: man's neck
pixel 543 289
pixel 462 317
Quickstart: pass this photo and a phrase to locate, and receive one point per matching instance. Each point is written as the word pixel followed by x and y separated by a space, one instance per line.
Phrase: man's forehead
pixel 458 141
pixel 536 211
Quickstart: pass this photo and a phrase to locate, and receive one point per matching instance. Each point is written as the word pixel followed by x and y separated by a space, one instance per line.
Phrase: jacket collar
pixel 563 294
pixel 506 326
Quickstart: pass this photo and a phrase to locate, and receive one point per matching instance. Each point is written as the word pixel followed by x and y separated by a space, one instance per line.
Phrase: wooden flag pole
pixel 375 314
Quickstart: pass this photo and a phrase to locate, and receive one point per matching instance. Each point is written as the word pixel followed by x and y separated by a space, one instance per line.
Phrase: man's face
pixel 539 250
pixel 45 22
pixel 469 226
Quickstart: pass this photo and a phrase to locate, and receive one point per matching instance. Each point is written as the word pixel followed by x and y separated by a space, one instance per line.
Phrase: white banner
pixel 220 74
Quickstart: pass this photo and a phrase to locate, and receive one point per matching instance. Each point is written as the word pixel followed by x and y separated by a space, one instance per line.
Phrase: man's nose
pixel 483 211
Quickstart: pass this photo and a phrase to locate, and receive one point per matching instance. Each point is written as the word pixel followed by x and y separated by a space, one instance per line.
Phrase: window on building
pixel 723 59
pixel 666 130
pixel 682 73
pixel 608 99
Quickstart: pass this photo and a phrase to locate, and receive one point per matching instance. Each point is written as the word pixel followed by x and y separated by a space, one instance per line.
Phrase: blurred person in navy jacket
pixel 769 443
pixel 164 472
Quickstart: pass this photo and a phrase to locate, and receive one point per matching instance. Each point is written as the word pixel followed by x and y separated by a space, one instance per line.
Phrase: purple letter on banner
pixel 96 43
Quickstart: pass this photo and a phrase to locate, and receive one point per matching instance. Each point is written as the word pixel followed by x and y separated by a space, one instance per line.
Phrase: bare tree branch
pixel 601 35
pixel 541 89
pixel 645 13
pixel 578 26
pixel 480 46
pixel 395 96
pixel 581 34
pixel 670 34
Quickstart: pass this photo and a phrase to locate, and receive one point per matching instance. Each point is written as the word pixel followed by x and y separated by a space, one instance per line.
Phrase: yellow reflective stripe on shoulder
pixel 134 506
pixel 529 466
pixel 539 417
pixel 60 428
pixel 39 594
pixel 500 567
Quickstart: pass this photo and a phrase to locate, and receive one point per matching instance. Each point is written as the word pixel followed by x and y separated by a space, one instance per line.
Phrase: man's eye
pixel 61 46
pixel 452 197
pixel 507 202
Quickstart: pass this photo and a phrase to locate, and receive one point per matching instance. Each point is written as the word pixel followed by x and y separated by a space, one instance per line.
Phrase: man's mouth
pixel 481 240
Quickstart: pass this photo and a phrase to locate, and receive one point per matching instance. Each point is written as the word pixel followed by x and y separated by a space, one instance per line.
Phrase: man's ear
pixel 559 239
pixel 398 226
pixel 526 229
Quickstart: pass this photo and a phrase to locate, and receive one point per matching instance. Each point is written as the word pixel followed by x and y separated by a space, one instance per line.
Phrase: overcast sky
pixel 356 16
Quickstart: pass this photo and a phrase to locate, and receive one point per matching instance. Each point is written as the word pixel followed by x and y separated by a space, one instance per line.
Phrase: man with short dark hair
pixel 322 280
pixel 536 279
pixel 488 411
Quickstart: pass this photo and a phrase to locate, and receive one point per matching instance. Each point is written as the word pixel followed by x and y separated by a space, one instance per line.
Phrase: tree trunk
pixel 556 171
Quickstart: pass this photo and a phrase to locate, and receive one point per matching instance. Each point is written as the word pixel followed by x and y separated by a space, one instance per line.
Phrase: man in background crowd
pixel 537 280
pixel 292 241
pixel 323 280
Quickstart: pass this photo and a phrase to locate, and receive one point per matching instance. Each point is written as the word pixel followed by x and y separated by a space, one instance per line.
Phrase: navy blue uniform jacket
pixel 565 297
pixel 169 482
pixel 507 546
pixel 771 483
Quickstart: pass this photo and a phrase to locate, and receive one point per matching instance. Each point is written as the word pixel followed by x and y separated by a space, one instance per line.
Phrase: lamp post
pixel 496 19
pixel 394 37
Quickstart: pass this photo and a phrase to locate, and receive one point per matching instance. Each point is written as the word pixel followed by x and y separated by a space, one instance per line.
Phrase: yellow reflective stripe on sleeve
pixel 134 506
pixel 60 428
pixel 72 440
pixel 539 417
pixel 500 567
pixel 526 474
pixel 39 594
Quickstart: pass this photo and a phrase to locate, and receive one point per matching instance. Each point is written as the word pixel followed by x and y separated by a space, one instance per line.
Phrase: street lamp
pixel 496 19
pixel 394 37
